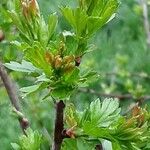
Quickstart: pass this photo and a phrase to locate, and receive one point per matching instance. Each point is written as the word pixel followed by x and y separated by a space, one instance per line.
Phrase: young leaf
pixel 77 19
pixel 105 113
pixel 32 141
pixel 52 23
pixel 30 89
pixel 72 77
pixel 25 66
pixel 78 144
pixel 36 55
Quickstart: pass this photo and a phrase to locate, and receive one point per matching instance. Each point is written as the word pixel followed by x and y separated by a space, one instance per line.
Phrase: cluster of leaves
pixel 32 141
pixel 52 58
pixel 102 121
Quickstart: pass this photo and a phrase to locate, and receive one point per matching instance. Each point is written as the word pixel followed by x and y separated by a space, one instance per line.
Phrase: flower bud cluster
pixel 65 64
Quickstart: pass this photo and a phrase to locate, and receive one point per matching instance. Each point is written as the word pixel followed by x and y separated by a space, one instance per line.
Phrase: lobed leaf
pixel 25 66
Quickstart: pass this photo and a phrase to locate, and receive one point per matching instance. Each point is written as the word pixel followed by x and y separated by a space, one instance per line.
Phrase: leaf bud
pixel 78 61
pixel 70 133
pixel 24 123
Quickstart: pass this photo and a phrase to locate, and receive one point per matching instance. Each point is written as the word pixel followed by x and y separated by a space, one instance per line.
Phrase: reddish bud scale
pixel 70 133
pixel 77 61
pixel 2 36
pixel 24 123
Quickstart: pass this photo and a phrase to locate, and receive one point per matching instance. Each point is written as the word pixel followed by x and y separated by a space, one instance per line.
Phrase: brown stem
pixel 12 95
pixel 59 125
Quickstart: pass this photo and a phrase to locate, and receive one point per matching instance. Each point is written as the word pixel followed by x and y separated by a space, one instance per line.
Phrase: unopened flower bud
pixel 68 59
pixel 68 68
pixel 49 58
pixel 58 62
pixel 30 8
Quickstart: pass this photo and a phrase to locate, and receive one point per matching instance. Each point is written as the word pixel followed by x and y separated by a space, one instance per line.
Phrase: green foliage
pixel 30 142
pixel 78 144
pixel 23 67
pixel 102 120
pixel 54 57
pixel 90 16
pixel 49 58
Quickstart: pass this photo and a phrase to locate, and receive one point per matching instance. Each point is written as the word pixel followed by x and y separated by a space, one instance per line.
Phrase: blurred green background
pixel 121 57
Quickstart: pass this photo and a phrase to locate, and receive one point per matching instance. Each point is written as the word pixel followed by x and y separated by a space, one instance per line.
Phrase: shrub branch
pixel 59 125
pixel 12 95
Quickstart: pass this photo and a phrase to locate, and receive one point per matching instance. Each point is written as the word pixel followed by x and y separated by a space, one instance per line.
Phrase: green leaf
pixel 32 141
pixel 87 78
pixel 99 114
pixel 70 42
pixel 42 78
pixel 30 89
pixel 72 76
pixel 77 19
pixel 93 24
pixel 105 113
pixel 15 146
pixel 52 23
pixel 91 4
pixel 116 145
pixel 16 20
pixel 62 92
pixel 25 66
pixel 78 144
pixel 36 55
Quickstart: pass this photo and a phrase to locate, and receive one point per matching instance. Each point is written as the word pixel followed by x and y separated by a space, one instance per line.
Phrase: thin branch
pixel 120 97
pixel 59 126
pixel 1 85
pixel 12 95
pixel 146 21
